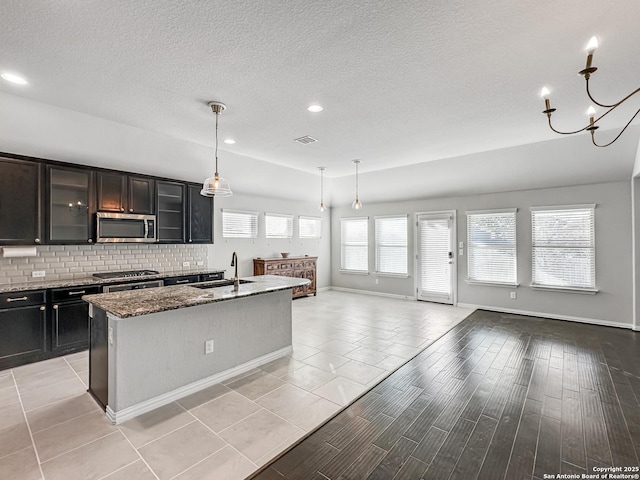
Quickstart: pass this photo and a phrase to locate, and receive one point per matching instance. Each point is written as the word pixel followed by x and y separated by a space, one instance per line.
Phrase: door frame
pixel 454 243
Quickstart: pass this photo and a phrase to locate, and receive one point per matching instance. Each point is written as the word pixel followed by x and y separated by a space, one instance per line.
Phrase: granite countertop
pixel 91 280
pixel 134 303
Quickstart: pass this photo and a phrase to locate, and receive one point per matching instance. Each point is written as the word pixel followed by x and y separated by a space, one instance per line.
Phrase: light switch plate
pixel 38 274
pixel 186 264
pixel 461 245
pixel 460 253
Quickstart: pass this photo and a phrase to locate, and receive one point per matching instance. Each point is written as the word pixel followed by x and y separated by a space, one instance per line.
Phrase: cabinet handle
pixel 89 240
pixel 17 299
pixel 37 240
pixel 55 307
pixel 122 209
pixel 42 309
pixel 131 210
pixel 182 281
pixel 190 240
pixel 79 292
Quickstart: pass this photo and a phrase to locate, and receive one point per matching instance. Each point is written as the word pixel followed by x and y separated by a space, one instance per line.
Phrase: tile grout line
pixel 227 443
pixel 79 446
pixel 74 371
pixel 66 421
pixel 157 438
pixel 139 455
pixel 24 415
pixel 115 471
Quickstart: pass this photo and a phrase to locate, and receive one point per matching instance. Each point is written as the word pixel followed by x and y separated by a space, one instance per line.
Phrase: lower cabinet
pixel 70 319
pixel 23 337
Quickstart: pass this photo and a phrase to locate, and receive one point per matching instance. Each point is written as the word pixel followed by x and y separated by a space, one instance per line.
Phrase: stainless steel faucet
pixel 236 280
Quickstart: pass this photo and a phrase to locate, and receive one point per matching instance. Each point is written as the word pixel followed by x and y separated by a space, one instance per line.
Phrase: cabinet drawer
pixel 208 277
pixel 181 280
pixel 21 299
pixel 66 294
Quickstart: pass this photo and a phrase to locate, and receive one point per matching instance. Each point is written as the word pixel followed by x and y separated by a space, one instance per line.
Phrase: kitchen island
pixel 152 347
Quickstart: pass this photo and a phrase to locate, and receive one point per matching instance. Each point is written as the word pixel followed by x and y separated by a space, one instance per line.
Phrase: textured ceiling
pixel 402 82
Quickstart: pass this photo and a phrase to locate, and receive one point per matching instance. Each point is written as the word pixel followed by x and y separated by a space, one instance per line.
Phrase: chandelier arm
pixel 567 133
pixel 615 104
pixel 617 136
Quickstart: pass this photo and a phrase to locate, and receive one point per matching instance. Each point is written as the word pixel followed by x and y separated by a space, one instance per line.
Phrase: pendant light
pixel 357 204
pixel 322 169
pixel 216 186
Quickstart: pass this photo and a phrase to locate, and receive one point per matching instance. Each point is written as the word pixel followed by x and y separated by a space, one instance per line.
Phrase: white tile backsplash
pixel 66 262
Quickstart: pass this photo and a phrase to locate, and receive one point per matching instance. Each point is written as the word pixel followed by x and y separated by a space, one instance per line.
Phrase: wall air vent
pixel 306 140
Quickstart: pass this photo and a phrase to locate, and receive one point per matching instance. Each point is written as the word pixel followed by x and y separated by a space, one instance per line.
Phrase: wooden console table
pixel 301 267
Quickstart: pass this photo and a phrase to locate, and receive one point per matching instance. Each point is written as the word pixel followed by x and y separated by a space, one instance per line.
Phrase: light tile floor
pixel 344 343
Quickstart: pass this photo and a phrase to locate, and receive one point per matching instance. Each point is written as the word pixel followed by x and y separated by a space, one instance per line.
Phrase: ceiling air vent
pixel 306 140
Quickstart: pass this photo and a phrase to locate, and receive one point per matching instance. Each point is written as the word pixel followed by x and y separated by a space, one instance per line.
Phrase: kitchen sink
pixel 218 283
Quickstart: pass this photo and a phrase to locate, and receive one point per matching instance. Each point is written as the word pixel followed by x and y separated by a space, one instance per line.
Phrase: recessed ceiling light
pixel 229 141
pixel 315 108
pixel 13 78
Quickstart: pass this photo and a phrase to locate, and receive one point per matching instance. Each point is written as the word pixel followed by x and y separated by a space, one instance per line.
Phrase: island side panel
pixel 98 355
pixel 158 353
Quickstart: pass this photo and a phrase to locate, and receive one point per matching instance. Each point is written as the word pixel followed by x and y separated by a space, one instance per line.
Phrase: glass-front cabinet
pixel 70 196
pixel 170 208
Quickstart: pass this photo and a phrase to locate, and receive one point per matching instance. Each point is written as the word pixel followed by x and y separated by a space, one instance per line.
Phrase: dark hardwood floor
pixel 498 397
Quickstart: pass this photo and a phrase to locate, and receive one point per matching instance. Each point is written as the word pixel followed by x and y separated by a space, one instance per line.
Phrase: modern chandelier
pixel 216 186
pixel 322 169
pixel 357 204
pixel 591 112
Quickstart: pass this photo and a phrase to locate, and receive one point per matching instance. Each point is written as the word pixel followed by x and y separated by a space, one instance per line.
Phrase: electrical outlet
pixel 377 281
pixel 37 273
pixel 208 347
pixel 200 264
pixel 186 264
pixel 513 295
pixel 460 253
pixel 461 245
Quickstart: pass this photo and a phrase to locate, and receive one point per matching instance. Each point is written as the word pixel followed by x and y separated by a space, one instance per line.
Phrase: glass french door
pixel 435 257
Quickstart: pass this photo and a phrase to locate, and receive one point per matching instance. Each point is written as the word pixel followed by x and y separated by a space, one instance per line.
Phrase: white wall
pixel 248 249
pixel 614 273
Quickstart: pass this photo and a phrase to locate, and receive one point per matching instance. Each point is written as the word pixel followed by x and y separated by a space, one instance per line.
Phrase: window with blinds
pixel 239 224
pixel 354 244
pixel 563 251
pixel 391 245
pixel 491 242
pixel 309 227
pixel 278 225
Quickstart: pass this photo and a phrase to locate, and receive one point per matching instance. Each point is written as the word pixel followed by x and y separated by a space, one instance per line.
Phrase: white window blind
pixel 239 224
pixel 564 247
pixel 391 245
pixel 354 243
pixel 278 225
pixel 309 227
pixel 491 241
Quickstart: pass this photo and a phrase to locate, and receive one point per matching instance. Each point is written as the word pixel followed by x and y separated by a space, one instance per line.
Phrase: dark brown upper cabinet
pixel 21 217
pixel 70 205
pixel 199 216
pixel 170 211
pixel 125 193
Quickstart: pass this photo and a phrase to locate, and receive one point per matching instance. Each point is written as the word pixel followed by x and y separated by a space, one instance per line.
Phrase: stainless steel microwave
pixel 125 228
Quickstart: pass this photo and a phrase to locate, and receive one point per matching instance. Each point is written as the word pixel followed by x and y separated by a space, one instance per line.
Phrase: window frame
pixel 342 245
pixel 249 213
pixel 565 288
pixel 318 220
pixel 288 217
pixel 377 246
pixel 514 246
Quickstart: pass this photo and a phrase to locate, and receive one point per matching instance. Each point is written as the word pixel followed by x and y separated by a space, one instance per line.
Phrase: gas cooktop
pixel 130 273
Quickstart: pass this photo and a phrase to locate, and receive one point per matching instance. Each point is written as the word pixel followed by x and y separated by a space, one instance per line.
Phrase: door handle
pixel 17 299
pixel 146 229
pixel 80 292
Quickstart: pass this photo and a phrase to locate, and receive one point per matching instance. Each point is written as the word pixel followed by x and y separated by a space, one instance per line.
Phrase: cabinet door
pixel 70 326
pixel 20 202
pixel 111 192
pixel 69 216
pixel 141 193
pixel 22 335
pixel 170 211
pixel 200 218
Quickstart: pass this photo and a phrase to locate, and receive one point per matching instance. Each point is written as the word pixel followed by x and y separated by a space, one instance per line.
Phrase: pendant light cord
pixel 357 180
pixel 217 115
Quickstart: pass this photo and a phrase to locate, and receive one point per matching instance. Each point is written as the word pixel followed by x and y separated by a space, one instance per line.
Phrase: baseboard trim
pixel 592 321
pixel 143 407
pixel 323 289
pixel 370 292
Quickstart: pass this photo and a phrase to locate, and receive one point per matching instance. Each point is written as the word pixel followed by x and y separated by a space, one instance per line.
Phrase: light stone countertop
pixel 41 284
pixel 134 303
